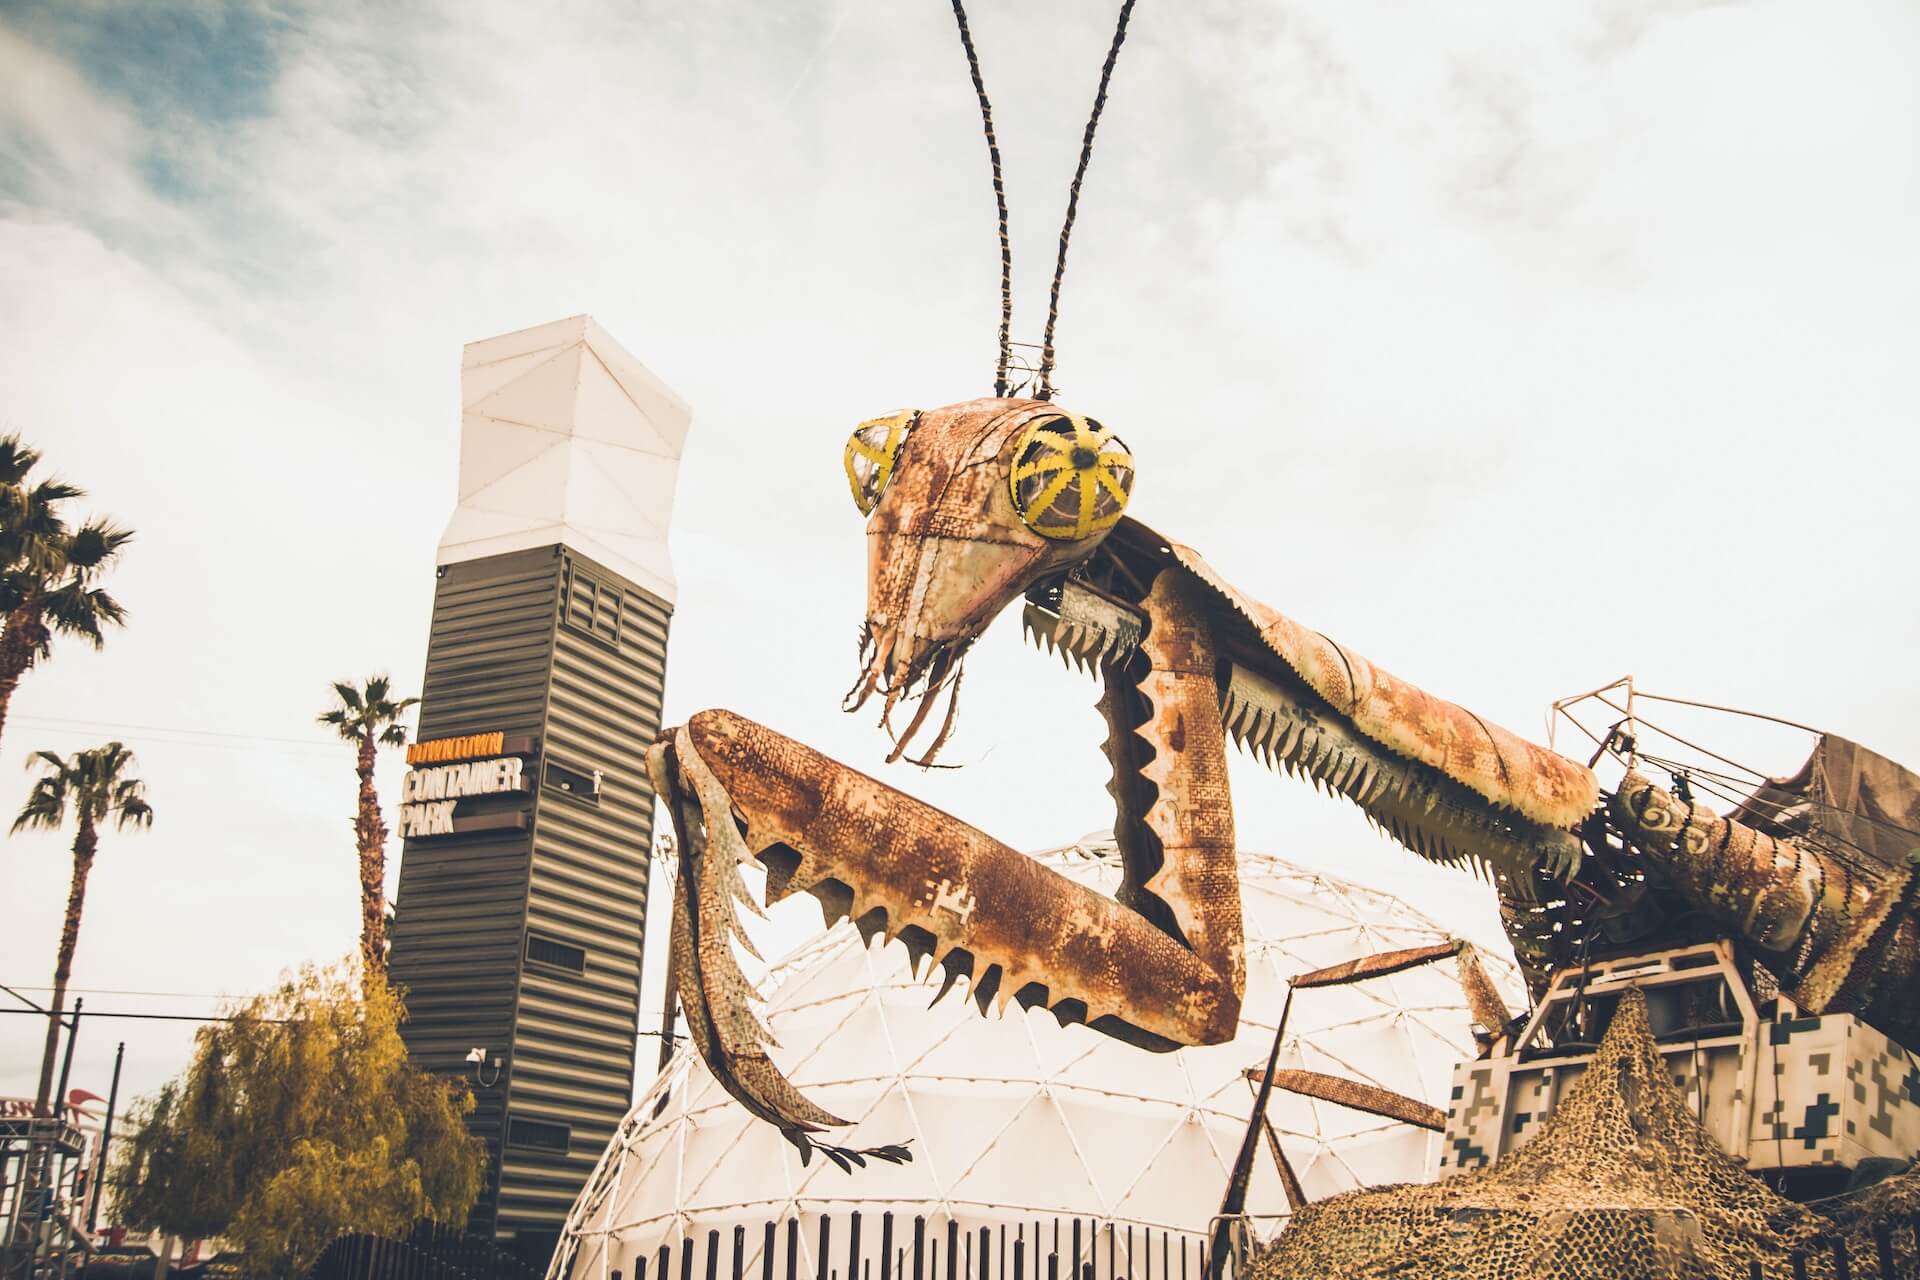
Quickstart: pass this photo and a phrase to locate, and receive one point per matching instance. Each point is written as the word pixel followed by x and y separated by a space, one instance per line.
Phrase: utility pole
pixel 95 1184
pixel 66 1061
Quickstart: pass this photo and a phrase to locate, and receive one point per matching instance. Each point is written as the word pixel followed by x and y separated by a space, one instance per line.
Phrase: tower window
pixel 551 951
pixel 593 606
pixel 555 776
pixel 542 1135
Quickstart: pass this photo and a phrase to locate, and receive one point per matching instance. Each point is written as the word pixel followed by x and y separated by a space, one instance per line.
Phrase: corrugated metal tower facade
pixel 527 815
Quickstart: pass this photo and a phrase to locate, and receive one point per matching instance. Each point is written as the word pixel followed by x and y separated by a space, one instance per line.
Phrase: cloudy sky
pixel 1516 345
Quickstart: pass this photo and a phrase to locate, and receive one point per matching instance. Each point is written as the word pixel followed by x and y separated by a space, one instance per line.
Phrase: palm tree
pixel 47 571
pixel 94 785
pixel 368 717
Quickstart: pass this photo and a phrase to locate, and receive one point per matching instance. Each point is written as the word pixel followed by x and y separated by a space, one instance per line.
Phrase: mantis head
pixel 967 507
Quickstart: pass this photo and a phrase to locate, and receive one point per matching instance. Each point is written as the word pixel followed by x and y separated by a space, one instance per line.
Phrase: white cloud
pixel 1515 347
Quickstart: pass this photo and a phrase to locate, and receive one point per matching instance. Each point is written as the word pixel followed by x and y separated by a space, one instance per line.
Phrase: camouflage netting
pixel 1622 1182
pixel 1894 1207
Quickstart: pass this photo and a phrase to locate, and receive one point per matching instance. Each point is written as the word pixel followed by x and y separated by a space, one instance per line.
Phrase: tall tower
pixel 526 813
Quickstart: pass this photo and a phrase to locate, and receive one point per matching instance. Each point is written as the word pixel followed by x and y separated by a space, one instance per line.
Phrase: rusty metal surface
pixel 1287 726
pixel 1374 966
pixel 1837 939
pixel 1498 765
pixel 715 996
pixel 1780 895
pixel 1483 998
pixel 863 846
pixel 1191 817
pixel 946 552
pixel 953 539
pixel 1289 1180
pixel 1873 967
pixel 1370 1098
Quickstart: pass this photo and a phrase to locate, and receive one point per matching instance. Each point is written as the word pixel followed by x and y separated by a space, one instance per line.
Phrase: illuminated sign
pixel 429 795
pixel 465 747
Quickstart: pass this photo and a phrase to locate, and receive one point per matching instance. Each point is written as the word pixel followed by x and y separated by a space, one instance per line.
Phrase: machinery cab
pixel 1805 1101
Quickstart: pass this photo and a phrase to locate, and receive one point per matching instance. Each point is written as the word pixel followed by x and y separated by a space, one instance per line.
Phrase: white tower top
pixel 564 437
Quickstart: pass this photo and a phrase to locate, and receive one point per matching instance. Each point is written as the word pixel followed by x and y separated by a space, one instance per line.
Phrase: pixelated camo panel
pixel 1621 1181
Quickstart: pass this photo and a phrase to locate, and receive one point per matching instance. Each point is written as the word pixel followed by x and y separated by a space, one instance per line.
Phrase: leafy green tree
pixel 368 717
pixel 93 786
pixel 300 1119
pixel 49 573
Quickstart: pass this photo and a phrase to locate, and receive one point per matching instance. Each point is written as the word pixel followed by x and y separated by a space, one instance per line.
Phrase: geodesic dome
pixel 1018 1120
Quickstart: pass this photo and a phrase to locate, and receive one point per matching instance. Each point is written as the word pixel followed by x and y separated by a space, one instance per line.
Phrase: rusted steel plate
pixel 1494 762
pixel 1374 966
pixel 935 873
pixel 1370 1098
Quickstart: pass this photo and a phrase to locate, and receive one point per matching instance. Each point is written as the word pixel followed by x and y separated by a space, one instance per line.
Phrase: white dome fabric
pixel 1014 1119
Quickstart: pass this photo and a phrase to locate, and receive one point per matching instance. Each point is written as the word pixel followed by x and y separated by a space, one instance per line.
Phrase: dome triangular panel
pixel 1014 1119
pixel 1032 1161
pixel 754 1170
pixel 1115 1153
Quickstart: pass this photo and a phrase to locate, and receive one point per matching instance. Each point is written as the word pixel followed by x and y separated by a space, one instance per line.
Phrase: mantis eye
pixel 872 450
pixel 1071 477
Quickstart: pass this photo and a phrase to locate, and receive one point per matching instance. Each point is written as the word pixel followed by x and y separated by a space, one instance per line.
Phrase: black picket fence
pixel 898 1247
pixel 431 1251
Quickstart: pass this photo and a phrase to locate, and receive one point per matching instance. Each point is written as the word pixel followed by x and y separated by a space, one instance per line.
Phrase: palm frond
pixel 349 696
pixel 93 783
pixel 394 735
pixel 94 543
pixel 17 457
pixel 133 812
pixel 48 492
pixel 73 609
pixel 46 806
pixel 377 687
pixel 33 537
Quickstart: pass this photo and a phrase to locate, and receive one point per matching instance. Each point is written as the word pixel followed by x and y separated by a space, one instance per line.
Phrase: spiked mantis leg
pixel 900 868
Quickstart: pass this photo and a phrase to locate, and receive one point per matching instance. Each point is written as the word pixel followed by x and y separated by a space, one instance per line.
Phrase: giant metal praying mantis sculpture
pixel 976 505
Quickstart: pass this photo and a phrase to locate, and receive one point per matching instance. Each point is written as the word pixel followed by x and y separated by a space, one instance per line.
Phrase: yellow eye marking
pixel 1070 477
pixel 1041 465
pixel 875 442
pixel 1112 486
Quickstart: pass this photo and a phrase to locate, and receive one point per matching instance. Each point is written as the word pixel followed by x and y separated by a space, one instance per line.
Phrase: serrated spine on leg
pixel 861 846
pixel 1191 814
pixel 715 995
pixel 1427 813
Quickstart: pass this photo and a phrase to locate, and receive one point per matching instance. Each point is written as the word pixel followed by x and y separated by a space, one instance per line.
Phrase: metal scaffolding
pixel 42 1198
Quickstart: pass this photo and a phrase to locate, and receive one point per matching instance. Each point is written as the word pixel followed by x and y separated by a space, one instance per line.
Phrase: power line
pixel 67 724
pixel 158 1017
pixel 112 991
